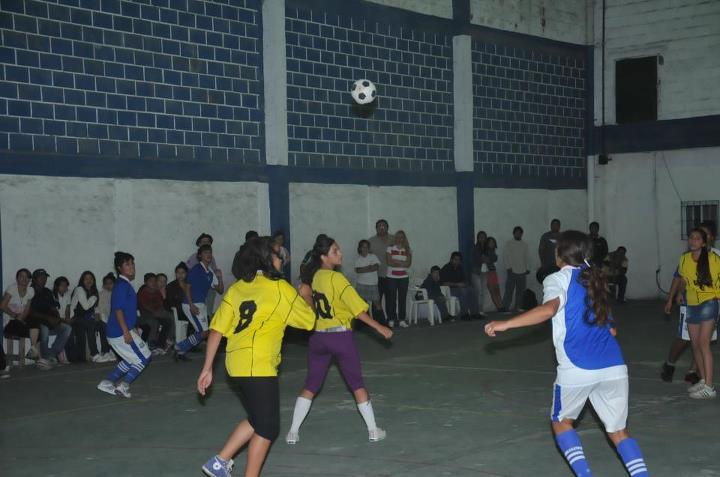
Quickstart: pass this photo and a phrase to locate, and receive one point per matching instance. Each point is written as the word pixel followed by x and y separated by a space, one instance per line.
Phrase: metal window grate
pixel 696 212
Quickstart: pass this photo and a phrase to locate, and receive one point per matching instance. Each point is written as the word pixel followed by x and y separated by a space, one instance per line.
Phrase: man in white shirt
pixel 516 256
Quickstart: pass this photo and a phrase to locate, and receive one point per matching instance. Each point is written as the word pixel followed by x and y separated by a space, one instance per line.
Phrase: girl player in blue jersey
pixel 590 363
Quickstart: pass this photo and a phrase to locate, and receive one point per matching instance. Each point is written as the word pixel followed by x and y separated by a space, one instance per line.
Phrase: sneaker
pixel 123 389
pixel 97 358
pixel 217 467
pixel 391 324
pixel 292 438
pixel 692 377
pixel 109 357
pixel 376 435
pixel 157 352
pixel 5 372
pixel 706 392
pixel 44 364
pixel 180 356
pixel 62 359
pixel 666 374
pixel 697 386
pixel 403 324
pixel 106 386
pixel 32 354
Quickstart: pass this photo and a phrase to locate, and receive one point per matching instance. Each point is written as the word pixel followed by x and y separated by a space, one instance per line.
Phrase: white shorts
pixel 683 329
pixel 199 321
pixel 608 398
pixel 136 352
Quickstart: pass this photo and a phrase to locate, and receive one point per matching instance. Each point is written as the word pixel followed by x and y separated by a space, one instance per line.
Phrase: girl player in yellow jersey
pixel 253 316
pixel 336 305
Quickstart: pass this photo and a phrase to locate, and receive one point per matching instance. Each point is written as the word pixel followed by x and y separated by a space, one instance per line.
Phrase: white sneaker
pixel 403 324
pixel 292 438
pixel 5 373
pixel 44 364
pixel 123 389
pixel 391 324
pixel 376 435
pixel 108 357
pixel 106 386
pixel 97 358
pixel 696 387
pixel 707 392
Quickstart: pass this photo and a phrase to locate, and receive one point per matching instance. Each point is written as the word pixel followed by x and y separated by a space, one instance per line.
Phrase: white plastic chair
pixel 424 300
pixel 180 326
pixel 452 302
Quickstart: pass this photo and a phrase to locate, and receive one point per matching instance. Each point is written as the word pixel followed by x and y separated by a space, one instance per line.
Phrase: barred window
pixel 696 212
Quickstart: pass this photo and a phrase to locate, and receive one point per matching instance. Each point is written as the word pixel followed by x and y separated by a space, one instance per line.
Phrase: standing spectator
pixel 366 267
pixel 452 275
pixel 599 244
pixel 480 270
pixel 517 262
pixel 493 284
pixel 399 259
pixel 16 305
pixel 546 251
pixel 175 291
pixel 432 286
pixel 236 268
pixel 87 322
pixel 378 247
pixel 617 265
pixel 205 239
pixel 278 239
pixel 154 319
pixel 43 310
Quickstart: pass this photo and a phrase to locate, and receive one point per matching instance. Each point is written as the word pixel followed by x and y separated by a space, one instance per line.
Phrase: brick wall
pixel 158 79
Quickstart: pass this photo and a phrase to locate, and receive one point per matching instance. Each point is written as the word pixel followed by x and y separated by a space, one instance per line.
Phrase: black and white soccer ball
pixel 363 91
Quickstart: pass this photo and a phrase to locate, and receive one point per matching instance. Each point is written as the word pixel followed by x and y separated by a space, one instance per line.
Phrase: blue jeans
pixel 62 333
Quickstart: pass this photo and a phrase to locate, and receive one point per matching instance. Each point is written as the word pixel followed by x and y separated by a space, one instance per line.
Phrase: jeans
pixel 621 282
pixel 156 329
pixel 465 296
pixel 397 298
pixel 61 332
pixel 85 333
pixel 479 283
pixel 379 315
pixel 514 282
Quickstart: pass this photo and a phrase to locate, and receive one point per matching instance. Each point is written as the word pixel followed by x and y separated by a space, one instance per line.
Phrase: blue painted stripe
pixel 557 404
pixel 139 354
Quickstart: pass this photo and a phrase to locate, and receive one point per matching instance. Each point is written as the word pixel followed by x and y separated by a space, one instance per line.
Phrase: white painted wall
pixel 438 8
pixel 68 225
pixel 685 32
pixel 498 211
pixel 563 20
pixel 638 207
pixel 348 213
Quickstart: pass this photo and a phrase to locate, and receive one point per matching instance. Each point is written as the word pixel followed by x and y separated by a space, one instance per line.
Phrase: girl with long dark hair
pixel 337 304
pixel 590 363
pixel 86 322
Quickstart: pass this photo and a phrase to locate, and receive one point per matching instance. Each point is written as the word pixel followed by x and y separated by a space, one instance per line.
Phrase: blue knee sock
pixel 571 447
pixel 134 372
pixel 120 370
pixel 188 343
pixel 629 450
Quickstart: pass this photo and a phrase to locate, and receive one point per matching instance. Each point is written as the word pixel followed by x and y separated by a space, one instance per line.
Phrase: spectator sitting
pixel 154 319
pixel 617 265
pixel 278 239
pixel 103 307
pixel 62 302
pixel 175 291
pixel 432 286
pixel 16 305
pixel 162 284
pixel 452 275
pixel 44 311
pixel 205 239
pixel 87 322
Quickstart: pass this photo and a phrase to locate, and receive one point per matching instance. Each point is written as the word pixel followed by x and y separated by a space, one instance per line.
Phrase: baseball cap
pixel 40 271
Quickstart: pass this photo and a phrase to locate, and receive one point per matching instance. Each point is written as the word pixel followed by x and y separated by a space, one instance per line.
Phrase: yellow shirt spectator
pixel 688 270
pixel 336 301
pixel 253 317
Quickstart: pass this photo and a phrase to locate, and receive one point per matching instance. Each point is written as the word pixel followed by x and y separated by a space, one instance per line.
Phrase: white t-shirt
pixel 398 254
pixel 367 278
pixel 17 303
pixel 63 303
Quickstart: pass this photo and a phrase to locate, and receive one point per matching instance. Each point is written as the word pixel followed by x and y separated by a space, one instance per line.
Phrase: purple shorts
pixel 322 348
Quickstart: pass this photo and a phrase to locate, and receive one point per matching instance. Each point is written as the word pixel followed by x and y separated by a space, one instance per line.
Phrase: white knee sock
pixel 302 408
pixel 366 411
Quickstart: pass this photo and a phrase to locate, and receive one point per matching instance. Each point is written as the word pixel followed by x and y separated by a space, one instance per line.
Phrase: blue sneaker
pixel 217 467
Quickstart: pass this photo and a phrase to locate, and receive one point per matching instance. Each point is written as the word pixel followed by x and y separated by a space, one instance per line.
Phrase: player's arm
pixel 220 287
pixel 123 325
pixel 535 316
pixel 383 330
pixel 205 379
pixel 675 288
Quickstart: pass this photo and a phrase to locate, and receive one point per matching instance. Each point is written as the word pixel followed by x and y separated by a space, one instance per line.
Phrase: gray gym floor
pixel 454 403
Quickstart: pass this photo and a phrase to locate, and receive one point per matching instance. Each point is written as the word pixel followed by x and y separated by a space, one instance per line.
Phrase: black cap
pixel 203 236
pixel 40 271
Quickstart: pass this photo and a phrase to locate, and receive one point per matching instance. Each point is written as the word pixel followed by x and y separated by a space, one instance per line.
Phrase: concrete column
pixel 275 82
pixel 463 103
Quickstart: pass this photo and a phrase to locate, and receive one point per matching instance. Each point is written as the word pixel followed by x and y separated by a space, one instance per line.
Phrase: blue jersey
pixel 123 298
pixel 586 353
pixel 200 280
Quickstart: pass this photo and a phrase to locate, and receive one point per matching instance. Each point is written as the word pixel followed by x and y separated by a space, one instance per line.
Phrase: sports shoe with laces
pixel 376 434
pixel 666 374
pixel 97 358
pixel 292 438
pixel 692 377
pixel 106 386
pixel 404 324
pixel 217 467
pixel 697 386
pixel 706 392
pixel 123 389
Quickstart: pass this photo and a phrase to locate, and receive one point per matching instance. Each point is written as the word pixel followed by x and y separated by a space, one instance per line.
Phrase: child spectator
pixel 366 267
pixel 432 286
pixel 44 310
pixel 452 275
pixel 62 302
pixel 86 321
pixel 399 260
pixel 154 319
pixel 175 291
pixel 103 307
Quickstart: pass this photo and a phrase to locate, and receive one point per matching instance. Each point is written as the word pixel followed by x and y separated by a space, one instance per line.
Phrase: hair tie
pixel 586 262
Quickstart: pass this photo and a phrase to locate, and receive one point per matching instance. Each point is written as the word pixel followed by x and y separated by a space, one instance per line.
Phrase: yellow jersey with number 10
pixel 336 301
pixel 253 317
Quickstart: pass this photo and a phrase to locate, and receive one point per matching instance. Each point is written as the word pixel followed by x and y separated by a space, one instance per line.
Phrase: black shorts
pixel 18 329
pixel 261 398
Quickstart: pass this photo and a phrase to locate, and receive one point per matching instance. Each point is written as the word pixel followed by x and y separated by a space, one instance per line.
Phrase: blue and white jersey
pixel 200 280
pixel 123 298
pixel 586 353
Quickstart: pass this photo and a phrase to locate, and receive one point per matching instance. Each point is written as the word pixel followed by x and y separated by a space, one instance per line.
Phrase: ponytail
pixel 313 259
pixel 704 279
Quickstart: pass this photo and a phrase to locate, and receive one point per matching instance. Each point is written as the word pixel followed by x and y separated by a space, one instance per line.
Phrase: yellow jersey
pixel 253 317
pixel 336 301
pixel 688 270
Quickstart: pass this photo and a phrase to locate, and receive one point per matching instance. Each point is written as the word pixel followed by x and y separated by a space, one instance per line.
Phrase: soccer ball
pixel 363 91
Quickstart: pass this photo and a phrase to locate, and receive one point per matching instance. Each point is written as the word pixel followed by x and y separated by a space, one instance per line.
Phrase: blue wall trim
pixel 702 131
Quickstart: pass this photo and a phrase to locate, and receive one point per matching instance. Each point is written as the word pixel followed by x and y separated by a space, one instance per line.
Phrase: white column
pixel 275 84
pixel 463 103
